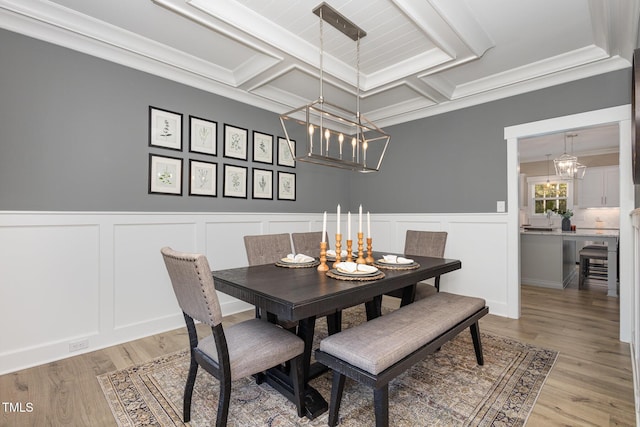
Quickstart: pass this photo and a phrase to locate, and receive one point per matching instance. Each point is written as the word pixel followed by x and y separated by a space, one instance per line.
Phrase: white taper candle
pixel 324 226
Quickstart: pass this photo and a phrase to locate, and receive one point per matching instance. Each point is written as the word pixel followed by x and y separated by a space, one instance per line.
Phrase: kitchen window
pixel 550 195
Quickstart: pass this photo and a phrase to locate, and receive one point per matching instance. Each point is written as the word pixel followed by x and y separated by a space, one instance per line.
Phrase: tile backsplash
pixel 582 218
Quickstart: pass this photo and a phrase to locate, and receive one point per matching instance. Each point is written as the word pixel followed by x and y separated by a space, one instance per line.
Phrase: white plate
pixel 396 261
pixel 352 268
pixel 293 261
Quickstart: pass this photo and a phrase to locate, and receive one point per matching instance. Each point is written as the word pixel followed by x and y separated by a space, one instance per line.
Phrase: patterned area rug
pixel 446 389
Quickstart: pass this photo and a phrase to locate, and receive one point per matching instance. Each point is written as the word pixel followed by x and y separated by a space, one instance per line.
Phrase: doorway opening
pixel 616 115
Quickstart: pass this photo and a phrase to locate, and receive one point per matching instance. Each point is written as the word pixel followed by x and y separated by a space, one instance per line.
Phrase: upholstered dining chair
pixel 308 243
pixel 232 352
pixel 269 248
pixel 424 243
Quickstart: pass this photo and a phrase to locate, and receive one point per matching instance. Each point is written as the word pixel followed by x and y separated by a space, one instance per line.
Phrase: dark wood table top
pixel 299 293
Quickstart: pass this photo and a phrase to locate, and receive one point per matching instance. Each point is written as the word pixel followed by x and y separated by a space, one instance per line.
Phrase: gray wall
pixel 457 162
pixel 74 137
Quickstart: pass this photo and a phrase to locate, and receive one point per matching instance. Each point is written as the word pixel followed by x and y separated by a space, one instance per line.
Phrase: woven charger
pixel 389 266
pixel 297 265
pixel 335 275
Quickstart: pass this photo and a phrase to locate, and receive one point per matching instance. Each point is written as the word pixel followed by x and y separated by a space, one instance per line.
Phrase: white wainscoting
pixel 635 298
pixel 99 277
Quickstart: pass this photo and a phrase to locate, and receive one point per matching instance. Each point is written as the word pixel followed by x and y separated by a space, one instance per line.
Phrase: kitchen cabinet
pixel 546 260
pixel 600 188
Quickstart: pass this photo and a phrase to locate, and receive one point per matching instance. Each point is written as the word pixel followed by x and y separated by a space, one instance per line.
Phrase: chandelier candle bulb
pixel 364 152
pixel 327 134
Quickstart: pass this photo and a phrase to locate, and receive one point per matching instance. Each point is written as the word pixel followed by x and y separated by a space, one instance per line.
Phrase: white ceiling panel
pixel 419 58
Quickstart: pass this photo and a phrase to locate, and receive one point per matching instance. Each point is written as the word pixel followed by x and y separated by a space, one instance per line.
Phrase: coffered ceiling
pixel 419 57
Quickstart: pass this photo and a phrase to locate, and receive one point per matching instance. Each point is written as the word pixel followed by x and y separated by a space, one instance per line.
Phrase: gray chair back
pixel 267 248
pixel 186 269
pixel 308 243
pixel 425 243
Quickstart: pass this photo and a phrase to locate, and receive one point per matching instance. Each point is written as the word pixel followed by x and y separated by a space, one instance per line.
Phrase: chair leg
pixel 336 397
pixel 381 405
pixel 188 389
pixel 223 402
pixel 477 344
pixel 298 384
pixel 581 273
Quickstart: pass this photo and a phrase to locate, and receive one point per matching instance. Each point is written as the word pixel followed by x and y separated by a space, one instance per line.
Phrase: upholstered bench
pixel 375 352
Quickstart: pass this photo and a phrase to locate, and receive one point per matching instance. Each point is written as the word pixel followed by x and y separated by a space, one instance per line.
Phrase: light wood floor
pixel 590 385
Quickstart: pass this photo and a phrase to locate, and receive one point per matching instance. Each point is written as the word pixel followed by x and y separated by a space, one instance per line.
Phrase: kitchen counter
pixel 581 232
pixel 547 258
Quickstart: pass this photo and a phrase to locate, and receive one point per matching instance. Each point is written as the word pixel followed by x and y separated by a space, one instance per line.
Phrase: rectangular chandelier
pixel 334 136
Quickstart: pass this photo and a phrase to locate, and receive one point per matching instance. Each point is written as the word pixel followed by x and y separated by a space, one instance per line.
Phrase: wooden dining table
pixel 303 294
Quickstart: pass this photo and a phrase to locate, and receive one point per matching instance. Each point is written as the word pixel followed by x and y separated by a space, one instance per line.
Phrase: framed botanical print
pixel 235 181
pixel 235 142
pixel 262 184
pixel 165 175
pixel 165 129
pixel 285 156
pixel 262 147
pixel 286 186
pixel 202 136
pixel 203 180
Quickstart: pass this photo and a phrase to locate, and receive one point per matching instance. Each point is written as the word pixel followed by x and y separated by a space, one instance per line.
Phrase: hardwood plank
pixel 590 385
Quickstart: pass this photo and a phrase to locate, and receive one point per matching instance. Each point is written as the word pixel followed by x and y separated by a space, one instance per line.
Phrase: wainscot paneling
pixel 635 298
pixel 88 280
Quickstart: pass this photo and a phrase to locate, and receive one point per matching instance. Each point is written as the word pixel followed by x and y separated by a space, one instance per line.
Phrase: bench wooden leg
pixel 477 344
pixel 381 405
pixel 336 397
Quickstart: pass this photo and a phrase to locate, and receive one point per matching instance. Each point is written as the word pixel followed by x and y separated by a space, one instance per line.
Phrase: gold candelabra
pixel 338 250
pixel 323 257
pixel 369 257
pixel 360 259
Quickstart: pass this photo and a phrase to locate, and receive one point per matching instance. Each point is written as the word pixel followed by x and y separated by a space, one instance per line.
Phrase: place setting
pixel 297 261
pixel 354 271
pixel 395 262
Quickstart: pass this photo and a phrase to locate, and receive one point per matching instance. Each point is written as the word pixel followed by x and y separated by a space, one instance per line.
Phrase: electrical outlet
pixel 500 206
pixel 78 345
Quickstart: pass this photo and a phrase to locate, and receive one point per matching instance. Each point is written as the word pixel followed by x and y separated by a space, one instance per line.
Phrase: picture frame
pixel 203 136
pixel 285 156
pixel 165 175
pixel 262 147
pixel 235 142
pixel 165 129
pixel 286 186
pixel 235 181
pixel 262 184
pixel 203 178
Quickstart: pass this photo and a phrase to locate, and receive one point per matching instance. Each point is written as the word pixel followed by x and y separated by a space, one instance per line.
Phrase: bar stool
pixel 589 269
